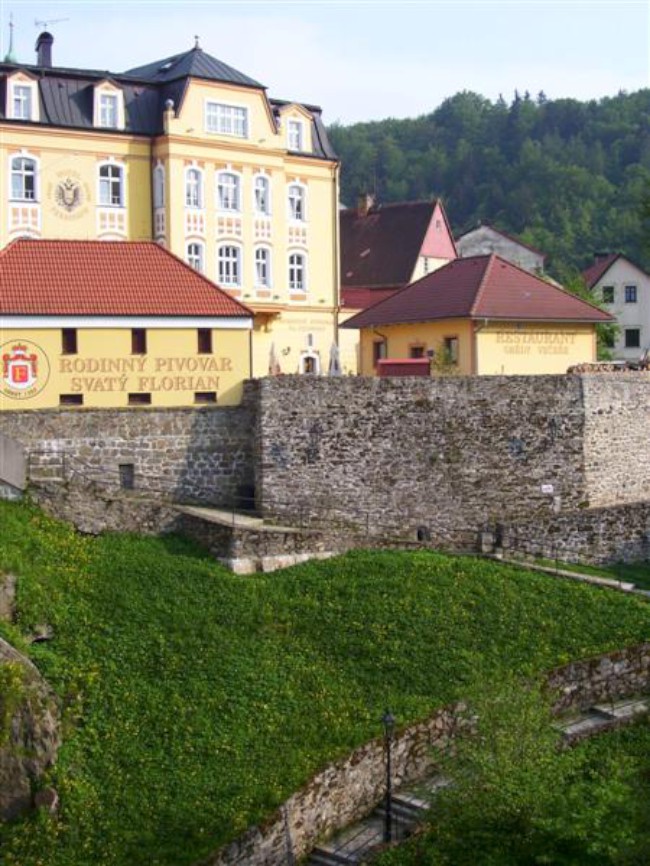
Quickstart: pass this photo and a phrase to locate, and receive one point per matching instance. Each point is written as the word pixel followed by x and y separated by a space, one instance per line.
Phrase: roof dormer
pixel 296 126
pixel 22 97
pixel 108 106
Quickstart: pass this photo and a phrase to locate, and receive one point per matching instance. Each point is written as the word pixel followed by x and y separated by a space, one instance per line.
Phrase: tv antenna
pixel 45 24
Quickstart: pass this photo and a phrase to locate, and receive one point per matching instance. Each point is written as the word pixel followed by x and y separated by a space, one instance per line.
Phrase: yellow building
pixel 85 323
pixel 193 154
pixel 480 315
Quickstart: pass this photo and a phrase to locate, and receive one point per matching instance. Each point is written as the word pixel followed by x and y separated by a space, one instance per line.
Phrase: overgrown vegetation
pixel 516 800
pixel 196 701
pixel 567 177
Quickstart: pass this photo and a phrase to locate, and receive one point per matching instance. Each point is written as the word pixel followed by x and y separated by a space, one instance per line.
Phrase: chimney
pixel 44 50
pixel 364 204
pixel 601 255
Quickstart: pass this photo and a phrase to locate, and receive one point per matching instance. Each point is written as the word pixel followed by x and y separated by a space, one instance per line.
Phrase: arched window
pixel 262 192
pixel 23 178
pixel 229 265
pixel 298 272
pixel 159 186
pixel 194 188
pixel 228 191
pixel 195 255
pixel 297 202
pixel 111 185
pixel 263 267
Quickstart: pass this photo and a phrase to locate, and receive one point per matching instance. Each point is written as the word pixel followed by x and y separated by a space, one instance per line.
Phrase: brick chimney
pixel 601 255
pixel 364 203
pixel 44 50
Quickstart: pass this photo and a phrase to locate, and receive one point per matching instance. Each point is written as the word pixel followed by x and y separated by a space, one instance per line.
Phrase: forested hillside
pixel 567 177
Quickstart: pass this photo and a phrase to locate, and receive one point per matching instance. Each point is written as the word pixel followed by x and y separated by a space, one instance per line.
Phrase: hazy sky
pixel 361 60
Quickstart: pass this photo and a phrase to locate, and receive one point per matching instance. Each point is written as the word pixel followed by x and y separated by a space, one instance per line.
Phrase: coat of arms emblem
pixel 19 368
pixel 68 194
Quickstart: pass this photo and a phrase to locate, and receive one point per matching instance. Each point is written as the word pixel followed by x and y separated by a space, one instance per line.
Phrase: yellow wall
pixel 105 371
pixel 505 348
pixel 73 157
pixel 429 335
pixel 508 348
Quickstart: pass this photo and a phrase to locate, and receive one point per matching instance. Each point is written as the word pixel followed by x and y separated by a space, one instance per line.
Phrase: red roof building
pixel 482 315
pixel 115 324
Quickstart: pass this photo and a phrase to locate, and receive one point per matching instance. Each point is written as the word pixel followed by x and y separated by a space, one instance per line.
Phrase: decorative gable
pixel 22 97
pixel 108 106
pixel 295 124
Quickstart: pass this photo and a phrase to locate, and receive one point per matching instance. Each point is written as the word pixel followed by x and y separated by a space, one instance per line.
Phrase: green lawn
pixel 197 701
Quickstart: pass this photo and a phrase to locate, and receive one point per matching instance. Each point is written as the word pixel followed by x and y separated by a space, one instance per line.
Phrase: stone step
pixel 623 709
pixel 324 857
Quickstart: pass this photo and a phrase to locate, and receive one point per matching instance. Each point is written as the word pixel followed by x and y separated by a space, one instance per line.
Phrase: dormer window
pixel 22 98
pixel 109 107
pixel 108 110
pixel 295 135
pixel 226 119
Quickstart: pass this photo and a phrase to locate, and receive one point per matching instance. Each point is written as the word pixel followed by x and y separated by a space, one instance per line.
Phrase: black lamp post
pixel 388 721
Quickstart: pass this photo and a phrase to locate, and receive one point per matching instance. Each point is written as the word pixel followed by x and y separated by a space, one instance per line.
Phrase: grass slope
pixel 196 701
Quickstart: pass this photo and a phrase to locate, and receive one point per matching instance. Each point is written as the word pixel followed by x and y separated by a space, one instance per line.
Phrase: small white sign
pixel 548 488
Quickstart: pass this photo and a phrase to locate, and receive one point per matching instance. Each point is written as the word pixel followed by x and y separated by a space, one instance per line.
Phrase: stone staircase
pixel 360 842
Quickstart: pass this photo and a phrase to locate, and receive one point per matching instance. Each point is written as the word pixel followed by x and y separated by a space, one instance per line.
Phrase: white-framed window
pixel 297 200
pixel 111 185
pixel 228 191
pixel 195 255
pixel 159 186
pixel 226 119
pixel 263 267
pixel 108 114
pixel 297 272
pixel 193 187
pixel 295 134
pixel 24 173
pixel 229 265
pixel 23 102
pixel 262 194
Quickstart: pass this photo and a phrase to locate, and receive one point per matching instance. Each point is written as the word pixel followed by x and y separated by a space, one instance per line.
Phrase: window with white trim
pixel 111 185
pixel 195 256
pixel 295 134
pixel 630 295
pixel 23 178
pixel 297 198
pixel 159 186
pixel 226 119
pixel 263 267
pixel 228 191
pixel 108 110
pixel 229 265
pixel 262 195
pixel 298 272
pixel 193 188
pixel 23 102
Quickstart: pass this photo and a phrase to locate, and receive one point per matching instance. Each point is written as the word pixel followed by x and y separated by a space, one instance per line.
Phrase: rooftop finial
pixel 10 57
pixel 196 42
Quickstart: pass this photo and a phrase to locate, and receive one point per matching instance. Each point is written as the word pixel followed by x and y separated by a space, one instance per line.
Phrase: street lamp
pixel 388 721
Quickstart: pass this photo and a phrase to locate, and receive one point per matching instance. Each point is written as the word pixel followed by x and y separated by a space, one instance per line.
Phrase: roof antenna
pixel 44 24
pixel 10 57
pixel 196 42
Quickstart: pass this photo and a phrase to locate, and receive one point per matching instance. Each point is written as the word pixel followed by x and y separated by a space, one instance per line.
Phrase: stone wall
pixel 617 437
pixel 201 455
pixel 448 455
pixel 349 788
pixel 596 535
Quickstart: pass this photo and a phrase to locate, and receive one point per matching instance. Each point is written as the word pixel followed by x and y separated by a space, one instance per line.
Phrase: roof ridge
pixel 481 286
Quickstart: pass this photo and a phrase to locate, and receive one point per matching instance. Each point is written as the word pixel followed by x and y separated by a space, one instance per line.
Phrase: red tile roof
pixel 479 287
pixel 599 268
pixel 381 249
pixel 353 298
pixel 105 278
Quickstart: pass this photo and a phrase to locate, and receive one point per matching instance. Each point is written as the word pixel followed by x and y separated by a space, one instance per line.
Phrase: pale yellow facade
pixel 105 372
pixel 278 256
pixel 495 348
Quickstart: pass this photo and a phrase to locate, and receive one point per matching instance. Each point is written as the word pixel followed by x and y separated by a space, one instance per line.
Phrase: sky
pixel 360 60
